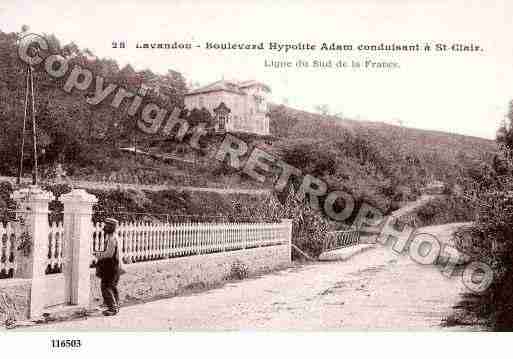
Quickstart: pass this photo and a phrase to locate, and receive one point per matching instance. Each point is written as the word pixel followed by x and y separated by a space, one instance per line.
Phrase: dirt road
pixel 375 290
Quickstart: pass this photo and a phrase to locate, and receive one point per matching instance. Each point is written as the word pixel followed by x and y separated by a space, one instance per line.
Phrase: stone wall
pixel 17 291
pixel 55 293
pixel 157 279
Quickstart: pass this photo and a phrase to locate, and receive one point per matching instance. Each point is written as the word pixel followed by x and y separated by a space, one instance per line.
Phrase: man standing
pixel 108 267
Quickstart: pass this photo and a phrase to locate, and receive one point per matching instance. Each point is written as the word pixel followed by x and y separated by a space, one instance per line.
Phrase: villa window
pixel 222 121
pixel 222 115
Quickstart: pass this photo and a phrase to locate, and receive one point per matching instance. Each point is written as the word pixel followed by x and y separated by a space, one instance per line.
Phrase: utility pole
pixel 22 146
pixel 29 108
pixel 34 134
pixel 134 139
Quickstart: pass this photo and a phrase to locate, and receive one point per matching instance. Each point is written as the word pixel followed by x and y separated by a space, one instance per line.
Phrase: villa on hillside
pixel 236 106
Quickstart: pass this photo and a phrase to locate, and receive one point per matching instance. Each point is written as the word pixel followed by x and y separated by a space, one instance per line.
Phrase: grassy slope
pixel 292 123
pixel 377 162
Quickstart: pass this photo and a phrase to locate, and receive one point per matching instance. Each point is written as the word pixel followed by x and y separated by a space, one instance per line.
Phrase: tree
pixel 505 131
pixel 68 127
pixel 197 116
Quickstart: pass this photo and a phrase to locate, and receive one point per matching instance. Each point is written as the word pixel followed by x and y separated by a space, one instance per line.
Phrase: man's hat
pixel 111 221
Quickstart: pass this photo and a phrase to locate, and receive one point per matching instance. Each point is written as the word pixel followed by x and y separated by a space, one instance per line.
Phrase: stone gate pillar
pixel 33 203
pixel 78 227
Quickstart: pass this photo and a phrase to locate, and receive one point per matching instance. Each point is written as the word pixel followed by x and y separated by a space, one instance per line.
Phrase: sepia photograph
pixel 334 167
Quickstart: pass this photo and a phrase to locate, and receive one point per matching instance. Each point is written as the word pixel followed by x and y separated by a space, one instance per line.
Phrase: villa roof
pixel 250 83
pixel 228 86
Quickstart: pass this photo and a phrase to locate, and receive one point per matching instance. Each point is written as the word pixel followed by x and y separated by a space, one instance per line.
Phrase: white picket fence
pixel 55 247
pixel 9 239
pixel 141 242
pixel 8 234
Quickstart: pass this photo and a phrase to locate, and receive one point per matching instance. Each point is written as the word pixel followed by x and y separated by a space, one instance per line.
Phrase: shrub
pixel 309 227
pixel 445 210
pixel 239 270
pixel 6 202
pixel 490 239
pixel 6 189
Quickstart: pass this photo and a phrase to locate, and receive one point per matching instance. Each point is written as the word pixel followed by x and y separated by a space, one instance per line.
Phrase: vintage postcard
pixel 286 166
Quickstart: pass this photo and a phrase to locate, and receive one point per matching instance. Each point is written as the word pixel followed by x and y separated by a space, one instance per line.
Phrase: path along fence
pixel 140 242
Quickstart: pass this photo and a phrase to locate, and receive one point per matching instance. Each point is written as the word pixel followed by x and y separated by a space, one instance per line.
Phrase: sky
pixel 456 92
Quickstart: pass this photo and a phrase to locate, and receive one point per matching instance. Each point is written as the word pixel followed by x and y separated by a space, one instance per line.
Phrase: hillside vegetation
pixel 380 164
